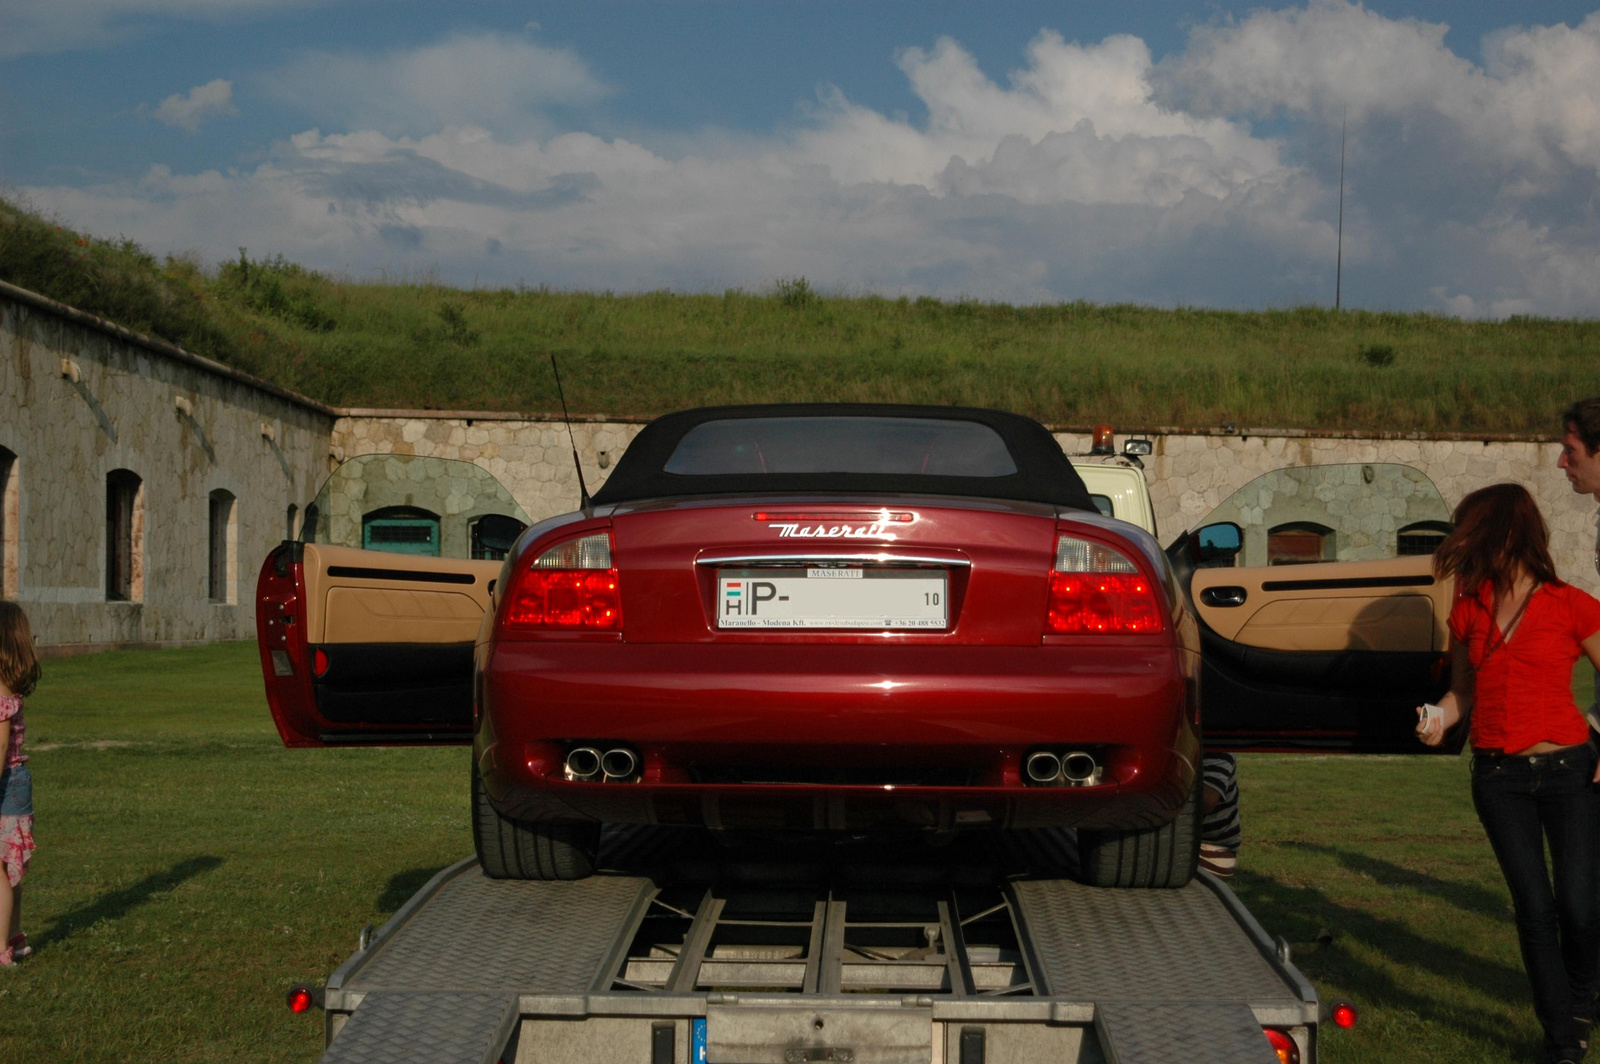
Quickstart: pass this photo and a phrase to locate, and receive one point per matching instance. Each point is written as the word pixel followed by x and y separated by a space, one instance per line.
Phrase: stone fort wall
pixel 1190 474
pixel 80 400
pixel 84 402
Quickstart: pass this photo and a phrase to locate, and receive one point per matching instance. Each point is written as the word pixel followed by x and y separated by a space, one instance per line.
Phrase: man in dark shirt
pixel 1580 460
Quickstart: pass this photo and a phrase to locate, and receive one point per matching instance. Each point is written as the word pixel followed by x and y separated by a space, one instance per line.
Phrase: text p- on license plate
pixel 832 598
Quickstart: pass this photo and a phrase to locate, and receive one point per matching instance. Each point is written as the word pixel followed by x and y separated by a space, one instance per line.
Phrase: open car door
pixel 1322 624
pixel 367 622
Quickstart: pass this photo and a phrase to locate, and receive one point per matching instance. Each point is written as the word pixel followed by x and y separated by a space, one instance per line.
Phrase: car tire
pixel 512 849
pixel 1165 857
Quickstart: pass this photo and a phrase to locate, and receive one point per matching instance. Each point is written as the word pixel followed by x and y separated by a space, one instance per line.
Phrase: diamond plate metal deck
pixel 397 1027
pixel 504 937
pixel 1196 1032
pixel 1097 944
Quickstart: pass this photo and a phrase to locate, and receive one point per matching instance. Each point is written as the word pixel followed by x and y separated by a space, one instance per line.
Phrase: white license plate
pixel 832 598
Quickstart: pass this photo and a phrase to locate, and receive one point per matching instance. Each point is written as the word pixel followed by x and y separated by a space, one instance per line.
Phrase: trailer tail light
pixel 1283 1045
pixel 571 586
pixel 301 998
pixel 1095 588
pixel 1344 1015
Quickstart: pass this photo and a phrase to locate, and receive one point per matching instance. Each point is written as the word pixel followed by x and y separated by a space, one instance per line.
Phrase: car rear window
pixel 896 446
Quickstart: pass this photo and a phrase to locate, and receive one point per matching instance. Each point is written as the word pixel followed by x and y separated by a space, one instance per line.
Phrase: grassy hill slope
pixel 421 345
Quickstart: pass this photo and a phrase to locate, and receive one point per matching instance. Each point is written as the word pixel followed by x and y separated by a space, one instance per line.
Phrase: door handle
pixel 1223 596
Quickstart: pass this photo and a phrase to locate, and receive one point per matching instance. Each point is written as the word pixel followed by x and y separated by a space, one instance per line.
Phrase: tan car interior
pixel 1378 605
pixel 362 596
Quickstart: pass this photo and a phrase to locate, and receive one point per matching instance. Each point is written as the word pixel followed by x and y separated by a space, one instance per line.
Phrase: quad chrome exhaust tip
pixel 587 764
pixel 1079 769
pixel 1073 768
pixel 583 763
pixel 1043 767
pixel 619 763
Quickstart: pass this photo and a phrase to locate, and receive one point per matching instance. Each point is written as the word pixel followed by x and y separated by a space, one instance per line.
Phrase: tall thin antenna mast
pixel 1338 269
pixel 583 490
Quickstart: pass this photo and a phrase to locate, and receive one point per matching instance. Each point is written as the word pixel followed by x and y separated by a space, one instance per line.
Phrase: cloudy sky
pixel 1166 152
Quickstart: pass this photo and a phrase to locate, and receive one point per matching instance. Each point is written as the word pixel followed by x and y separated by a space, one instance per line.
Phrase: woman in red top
pixel 1516 633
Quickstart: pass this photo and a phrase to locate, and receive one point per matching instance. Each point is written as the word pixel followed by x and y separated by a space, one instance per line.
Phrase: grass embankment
pixel 190 869
pixel 416 345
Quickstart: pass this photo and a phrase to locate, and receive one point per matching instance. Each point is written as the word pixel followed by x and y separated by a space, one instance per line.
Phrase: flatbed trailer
pixel 683 950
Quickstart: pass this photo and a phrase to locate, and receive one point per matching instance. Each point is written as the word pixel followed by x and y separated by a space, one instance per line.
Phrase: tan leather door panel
pixel 400 615
pixel 1389 605
pixel 363 596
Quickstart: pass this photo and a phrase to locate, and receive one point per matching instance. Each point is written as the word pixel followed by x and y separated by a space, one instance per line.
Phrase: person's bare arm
pixel 1456 702
pixel 1591 650
pixel 5 728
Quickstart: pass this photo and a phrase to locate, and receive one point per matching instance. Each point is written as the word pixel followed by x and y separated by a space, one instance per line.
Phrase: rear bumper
pixel 928 737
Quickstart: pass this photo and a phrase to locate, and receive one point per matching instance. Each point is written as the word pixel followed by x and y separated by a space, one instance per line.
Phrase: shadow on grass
pixel 119 903
pixel 404 884
pixel 1298 912
pixel 1466 896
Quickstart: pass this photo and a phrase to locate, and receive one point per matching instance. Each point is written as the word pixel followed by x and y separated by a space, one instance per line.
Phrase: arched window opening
pixel 124 536
pixel 492 536
pixel 1300 543
pixel 401 530
pixel 1423 537
pixel 10 525
pixel 223 553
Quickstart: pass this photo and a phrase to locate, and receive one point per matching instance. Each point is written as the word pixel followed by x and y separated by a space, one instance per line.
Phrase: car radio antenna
pixel 583 490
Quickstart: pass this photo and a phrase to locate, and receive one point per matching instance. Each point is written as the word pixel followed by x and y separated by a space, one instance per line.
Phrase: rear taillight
pixel 572 586
pixel 1095 588
pixel 1282 1045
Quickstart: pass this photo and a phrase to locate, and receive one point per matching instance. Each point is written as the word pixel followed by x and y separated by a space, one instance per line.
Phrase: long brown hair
pixel 19 666
pixel 1498 530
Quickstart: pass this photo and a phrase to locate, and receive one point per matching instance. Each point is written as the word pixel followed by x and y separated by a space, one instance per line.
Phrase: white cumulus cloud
pixel 1090 172
pixel 214 99
pixel 492 80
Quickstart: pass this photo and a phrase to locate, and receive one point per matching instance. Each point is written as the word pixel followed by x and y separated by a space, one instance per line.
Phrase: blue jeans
pixel 16 791
pixel 1521 802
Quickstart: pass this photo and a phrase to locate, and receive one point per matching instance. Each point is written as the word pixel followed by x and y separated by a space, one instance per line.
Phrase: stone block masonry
pixel 1190 473
pixel 140 486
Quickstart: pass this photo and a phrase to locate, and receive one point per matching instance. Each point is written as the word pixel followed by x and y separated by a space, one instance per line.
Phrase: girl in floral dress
pixel 19 671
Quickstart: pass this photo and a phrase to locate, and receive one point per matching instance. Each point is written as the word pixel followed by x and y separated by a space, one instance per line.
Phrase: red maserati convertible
pixel 825 617
pixel 849 617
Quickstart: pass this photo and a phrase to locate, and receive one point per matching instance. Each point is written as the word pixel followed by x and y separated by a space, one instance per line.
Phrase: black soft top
pixel 1043 473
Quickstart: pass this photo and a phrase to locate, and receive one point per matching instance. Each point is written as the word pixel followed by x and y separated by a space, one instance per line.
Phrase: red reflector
pixel 1103 602
pixel 1344 1014
pixel 1283 1045
pixel 565 598
pixel 301 998
pixel 319 662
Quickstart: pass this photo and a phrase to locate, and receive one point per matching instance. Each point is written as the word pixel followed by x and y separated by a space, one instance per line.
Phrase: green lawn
pixel 190 869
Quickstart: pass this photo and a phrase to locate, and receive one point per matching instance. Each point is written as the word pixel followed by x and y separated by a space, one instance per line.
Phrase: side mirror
pixel 1217 542
pixel 1137 447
